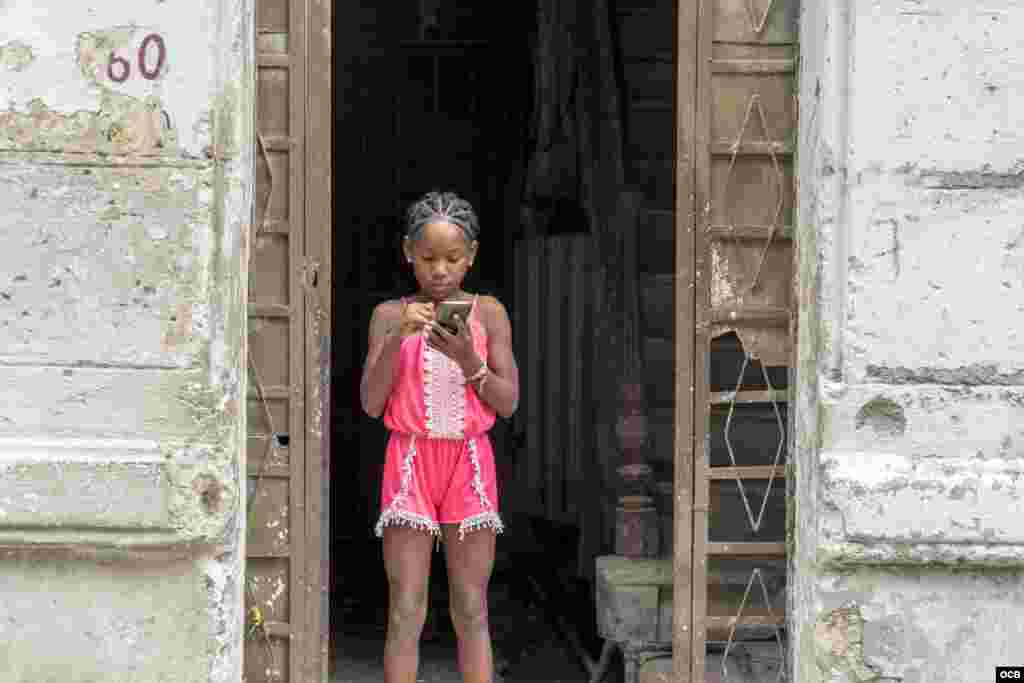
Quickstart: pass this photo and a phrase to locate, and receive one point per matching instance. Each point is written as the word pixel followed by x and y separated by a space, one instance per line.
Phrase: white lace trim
pixel 394 514
pixel 478 484
pixel 484 520
pixel 444 395
pixel 408 519
pixel 488 518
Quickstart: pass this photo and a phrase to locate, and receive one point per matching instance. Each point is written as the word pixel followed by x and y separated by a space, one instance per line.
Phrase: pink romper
pixel 439 466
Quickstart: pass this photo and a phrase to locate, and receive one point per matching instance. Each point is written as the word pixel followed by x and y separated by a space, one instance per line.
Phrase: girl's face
pixel 441 257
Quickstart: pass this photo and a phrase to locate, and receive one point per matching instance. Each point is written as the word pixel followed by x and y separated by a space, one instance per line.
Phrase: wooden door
pixel 289 328
pixel 736 108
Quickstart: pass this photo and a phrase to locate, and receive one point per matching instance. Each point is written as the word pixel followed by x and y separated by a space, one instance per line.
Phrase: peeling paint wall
pixel 907 535
pixel 125 202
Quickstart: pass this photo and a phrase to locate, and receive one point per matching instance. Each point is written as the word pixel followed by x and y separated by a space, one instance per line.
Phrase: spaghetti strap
pixel 472 309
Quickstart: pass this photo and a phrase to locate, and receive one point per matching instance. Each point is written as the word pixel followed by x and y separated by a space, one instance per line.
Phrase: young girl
pixel 439 393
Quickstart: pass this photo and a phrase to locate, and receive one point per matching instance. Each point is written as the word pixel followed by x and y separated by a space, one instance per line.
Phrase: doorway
pixel 430 95
pixel 433 94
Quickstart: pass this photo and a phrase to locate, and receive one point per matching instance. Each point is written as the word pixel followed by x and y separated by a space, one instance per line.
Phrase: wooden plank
pixel 273 61
pixel 738 21
pixel 754 314
pixel 269 311
pixel 272 16
pixel 728 78
pixel 752 233
pixel 269 342
pixel 756 472
pixel 278 629
pixel 318 222
pixel 269 533
pixel 272 105
pixel 266 576
pixel 281 143
pixel 275 225
pixel 271 393
pixel 270 471
pixel 749 396
pixel 685 215
pixel 702 344
pixel 726 148
pixel 753 66
pixel 746 549
pixel 725 623
pixel 296 213
pixel 268 270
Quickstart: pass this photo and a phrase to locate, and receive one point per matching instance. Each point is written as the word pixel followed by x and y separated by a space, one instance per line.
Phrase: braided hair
pixel 445 207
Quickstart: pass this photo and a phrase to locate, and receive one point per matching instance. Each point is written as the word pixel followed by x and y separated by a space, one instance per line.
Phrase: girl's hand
pixel 415 317
pixel 458 347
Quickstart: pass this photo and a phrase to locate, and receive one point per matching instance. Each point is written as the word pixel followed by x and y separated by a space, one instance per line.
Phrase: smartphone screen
pixel 447 310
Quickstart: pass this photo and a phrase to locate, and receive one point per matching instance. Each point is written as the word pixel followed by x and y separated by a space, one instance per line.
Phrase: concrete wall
pixel 125 200
pixel 908 521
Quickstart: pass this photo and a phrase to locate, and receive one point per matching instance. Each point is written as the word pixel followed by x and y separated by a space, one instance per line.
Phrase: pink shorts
pixel 429 482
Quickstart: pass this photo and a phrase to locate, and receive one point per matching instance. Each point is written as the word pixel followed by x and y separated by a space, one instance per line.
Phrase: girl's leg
pixel 470 562
pixel 407 563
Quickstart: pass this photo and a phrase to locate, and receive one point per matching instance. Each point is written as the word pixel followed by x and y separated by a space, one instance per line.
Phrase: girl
pixel 439 393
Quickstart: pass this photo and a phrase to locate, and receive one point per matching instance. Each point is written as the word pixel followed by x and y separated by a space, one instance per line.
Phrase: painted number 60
pixel 119 69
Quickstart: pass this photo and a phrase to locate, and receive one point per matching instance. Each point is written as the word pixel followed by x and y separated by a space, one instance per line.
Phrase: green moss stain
pixel 839 646
pixel 172 224
pixel 225 131
pixel 791 526
pixel 16 56
pixel 171 214
pixel 903 558
pixel 122 125
pixel 95 48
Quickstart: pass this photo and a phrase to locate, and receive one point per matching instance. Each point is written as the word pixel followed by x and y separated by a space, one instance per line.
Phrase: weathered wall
pixel 125 200
pixel 908 536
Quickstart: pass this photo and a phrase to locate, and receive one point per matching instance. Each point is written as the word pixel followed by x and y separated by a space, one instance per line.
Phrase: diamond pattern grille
pixel 730 672
pixel 757 24
pixel 755 520
pixel 772 147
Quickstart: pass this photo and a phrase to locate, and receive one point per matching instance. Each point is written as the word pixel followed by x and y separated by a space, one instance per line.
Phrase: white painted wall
pixel 124 208
pixel 909 532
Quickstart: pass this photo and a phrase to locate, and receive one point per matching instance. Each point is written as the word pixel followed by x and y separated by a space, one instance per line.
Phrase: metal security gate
pixel 289 326
pixel 736 109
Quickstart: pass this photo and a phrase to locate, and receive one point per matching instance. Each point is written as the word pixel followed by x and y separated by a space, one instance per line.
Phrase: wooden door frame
pixel 686 132
pixel 694 328
pixel 317 276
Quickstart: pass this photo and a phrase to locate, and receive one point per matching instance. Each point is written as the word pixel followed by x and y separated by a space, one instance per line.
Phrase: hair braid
pixel 442 206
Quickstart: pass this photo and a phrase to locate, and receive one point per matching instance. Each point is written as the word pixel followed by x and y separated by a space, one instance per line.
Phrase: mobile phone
pixel 447 310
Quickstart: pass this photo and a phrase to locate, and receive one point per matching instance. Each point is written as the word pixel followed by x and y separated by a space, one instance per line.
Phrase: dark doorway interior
pixel 428 95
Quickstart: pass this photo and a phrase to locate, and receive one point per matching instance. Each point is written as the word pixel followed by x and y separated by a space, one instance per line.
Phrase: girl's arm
pixel 501 390
pixel 379 370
